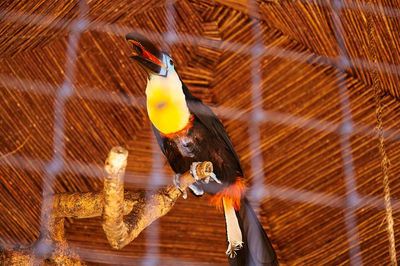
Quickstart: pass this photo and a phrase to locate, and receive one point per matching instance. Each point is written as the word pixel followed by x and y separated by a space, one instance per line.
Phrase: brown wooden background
pixel 304 198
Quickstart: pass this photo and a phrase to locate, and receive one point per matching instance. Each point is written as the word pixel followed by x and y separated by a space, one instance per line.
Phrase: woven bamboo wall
pixel 303 203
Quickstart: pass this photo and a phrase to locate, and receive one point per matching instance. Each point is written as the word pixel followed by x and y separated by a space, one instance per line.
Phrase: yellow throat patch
pixel 166 103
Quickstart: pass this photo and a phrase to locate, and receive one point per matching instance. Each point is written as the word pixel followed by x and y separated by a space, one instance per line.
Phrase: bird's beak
pixel 146 54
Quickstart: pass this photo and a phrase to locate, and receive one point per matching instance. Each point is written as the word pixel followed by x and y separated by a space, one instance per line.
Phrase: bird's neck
pixel 166 103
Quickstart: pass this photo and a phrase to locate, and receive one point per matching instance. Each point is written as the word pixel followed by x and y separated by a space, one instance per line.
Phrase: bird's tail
pixel 248 244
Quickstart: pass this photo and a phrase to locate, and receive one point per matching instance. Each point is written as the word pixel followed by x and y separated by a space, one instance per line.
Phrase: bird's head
pixel 166 102
pixel 149 57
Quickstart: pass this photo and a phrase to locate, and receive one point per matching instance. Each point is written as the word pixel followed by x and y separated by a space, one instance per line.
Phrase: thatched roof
pixel 307 160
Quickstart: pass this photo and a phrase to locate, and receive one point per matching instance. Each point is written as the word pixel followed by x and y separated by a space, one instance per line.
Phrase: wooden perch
pixel 125 214
pixel 119 232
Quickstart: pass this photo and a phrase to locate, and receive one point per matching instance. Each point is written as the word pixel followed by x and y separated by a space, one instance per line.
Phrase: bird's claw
pixel 214 177
pixel 193 170
pixel 176 181
pixel 196 189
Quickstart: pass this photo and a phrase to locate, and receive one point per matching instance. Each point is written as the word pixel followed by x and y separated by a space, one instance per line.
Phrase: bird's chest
pixel 198 144
pixel 193 145
pixel 189 142
pixel 166 105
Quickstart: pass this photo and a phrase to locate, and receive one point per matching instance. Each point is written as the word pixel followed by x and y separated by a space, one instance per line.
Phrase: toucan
pixel 188 132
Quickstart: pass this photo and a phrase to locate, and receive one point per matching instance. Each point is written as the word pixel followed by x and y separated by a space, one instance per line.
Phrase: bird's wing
pixel 210 121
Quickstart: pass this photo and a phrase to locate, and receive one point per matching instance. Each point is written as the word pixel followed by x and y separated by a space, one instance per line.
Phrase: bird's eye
pixel 171 63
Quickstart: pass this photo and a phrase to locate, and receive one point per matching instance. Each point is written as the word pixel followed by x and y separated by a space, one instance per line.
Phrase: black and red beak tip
pixel 139 40
pixel 147 54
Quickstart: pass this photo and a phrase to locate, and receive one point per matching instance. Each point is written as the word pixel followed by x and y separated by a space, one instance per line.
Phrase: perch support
pixel 120 231
pixel 125 214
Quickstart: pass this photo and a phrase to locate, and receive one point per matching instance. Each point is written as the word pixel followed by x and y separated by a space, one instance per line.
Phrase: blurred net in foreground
pixel 301 113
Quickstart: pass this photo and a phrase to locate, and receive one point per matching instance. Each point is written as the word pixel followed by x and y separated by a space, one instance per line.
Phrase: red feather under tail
pixel 232 195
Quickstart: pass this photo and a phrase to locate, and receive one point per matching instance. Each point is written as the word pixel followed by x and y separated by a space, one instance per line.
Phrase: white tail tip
pixel 233 231
pixel 232 248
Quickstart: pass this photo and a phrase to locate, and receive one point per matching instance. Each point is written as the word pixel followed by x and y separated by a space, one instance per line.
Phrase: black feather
pixel 257 248
pixel 207 117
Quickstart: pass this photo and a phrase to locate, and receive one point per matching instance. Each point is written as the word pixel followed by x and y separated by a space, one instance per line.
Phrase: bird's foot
pixel 176 181
pixel 196 189
pixel 214 177
pixel 184 195
pixel 193 170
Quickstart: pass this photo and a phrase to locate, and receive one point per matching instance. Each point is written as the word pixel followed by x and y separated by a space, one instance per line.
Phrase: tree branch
pixel 125 214
pixel 119 232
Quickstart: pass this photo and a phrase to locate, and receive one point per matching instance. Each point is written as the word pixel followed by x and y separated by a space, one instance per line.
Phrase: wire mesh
pixel 255 118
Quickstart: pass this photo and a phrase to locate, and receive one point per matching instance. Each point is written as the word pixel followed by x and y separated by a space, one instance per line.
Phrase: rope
pixel 385 164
